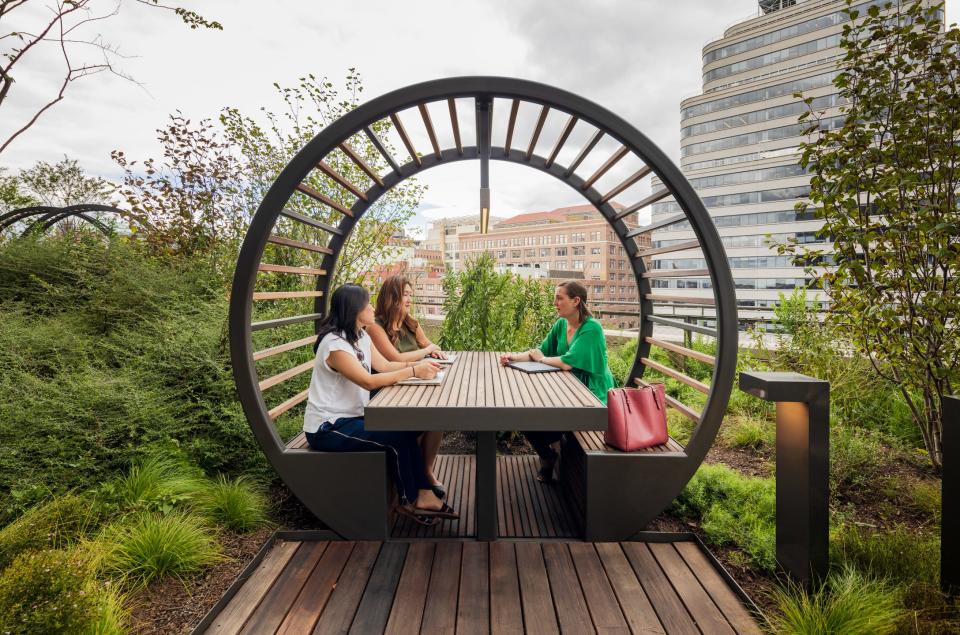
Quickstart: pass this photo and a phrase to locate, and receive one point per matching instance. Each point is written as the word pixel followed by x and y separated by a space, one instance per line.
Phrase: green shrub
pixel 925 497
pixel 849 603
pixel 899 554
pixel 47 592
pixel 679 427
pixel 52 525
pixel 153 545
pixel 733 509
pixel 155 484
pixel 742 432
pixel 857 458
pixel 112 617
pixel 239 505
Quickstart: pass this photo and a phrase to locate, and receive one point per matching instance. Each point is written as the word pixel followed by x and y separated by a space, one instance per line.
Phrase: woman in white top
pixel 340 389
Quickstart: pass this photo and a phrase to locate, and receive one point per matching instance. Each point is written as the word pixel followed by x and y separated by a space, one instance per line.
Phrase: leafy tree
pixel 65 25
pixel 490 311
pixel 12 195
pixel 64 183
pixel 887 183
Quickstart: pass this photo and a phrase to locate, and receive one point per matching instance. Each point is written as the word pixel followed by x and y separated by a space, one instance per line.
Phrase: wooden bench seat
pixel 592 441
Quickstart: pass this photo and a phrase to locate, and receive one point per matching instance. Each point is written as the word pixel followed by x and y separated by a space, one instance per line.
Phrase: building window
pixel 561 251
pixel 594 251
pixel 578 265
pixel 595 264
pixel 579 250
pixel 544 252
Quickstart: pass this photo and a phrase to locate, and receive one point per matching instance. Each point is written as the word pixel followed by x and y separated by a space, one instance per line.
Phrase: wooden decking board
pixel 477 587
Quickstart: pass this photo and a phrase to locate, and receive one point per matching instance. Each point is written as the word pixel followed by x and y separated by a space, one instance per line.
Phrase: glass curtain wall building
pixel 740 138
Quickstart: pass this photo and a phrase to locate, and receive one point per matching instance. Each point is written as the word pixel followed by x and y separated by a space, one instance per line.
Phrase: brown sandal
pixel 420 519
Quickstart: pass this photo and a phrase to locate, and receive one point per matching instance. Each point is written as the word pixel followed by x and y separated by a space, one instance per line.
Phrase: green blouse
pixel 406 340
pixel 586 353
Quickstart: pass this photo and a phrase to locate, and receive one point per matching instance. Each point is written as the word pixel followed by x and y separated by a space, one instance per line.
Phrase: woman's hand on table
pixel 426 369
pixel 536 355
pixel 434 351
pixel 506 358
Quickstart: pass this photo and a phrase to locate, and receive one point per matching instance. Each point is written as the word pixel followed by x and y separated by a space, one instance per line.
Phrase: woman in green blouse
pixel 399 338
pixel 575 343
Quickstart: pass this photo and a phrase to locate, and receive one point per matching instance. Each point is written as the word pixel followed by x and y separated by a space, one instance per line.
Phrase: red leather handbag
pixel 636 417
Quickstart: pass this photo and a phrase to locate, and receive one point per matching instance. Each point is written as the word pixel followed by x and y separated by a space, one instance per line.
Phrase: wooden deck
pixel 526 508
pixel 477 587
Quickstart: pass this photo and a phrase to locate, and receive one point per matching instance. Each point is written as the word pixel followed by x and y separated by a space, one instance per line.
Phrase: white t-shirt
pixel 331 395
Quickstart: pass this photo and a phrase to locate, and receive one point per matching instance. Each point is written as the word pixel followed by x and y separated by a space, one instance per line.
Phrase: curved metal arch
pixel 488 88
pixel 50 216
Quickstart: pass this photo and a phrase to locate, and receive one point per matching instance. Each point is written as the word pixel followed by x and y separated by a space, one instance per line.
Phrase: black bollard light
pixel 950 498
pixel 803 470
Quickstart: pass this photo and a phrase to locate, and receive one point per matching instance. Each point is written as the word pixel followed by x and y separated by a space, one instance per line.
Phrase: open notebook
pixel 413 381
pixel 533 367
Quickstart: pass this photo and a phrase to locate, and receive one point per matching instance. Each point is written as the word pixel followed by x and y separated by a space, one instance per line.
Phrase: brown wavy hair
pixel 574 289
pixel 389 307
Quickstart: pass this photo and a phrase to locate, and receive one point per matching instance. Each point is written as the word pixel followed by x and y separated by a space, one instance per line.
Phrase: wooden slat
pixel 313 222
pixel 298 442
pixel 687 244
pixel 235 614
pixel 544 110
pixel 271 611
pixel 707 616
pixel 636 207
pixel 603 169
pixel 285 375
pixel 375 140
pixel 283 348
pixel 360 163
pixel 604 608
pixel 289 242
pixel 680 350
pixel 341 180
pixel 455 124
pixel 567 129
pixel 428 124
pixel 406 139
pixel 669 372
pixel 660 224
pixel 677 324
pixel 538 613
pixel 637 609
pixel 408 602
pixel 682 408
pixel 298 398
pixel 300 271
pixel 342 606
pixel 670 609
pixel 473 607
pixel 594 140
pixel 278 322
pixel 303 188
pixel 680 299
pixel 377 600
pixel 284 295
pixel 728 603
pixel 514 107
pixel 506 614
pixel 630 180
pixel 572 611
pixel 440 612
pixel 308 606
pixel 675 273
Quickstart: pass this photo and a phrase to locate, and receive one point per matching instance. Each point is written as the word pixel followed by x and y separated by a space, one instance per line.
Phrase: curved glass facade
pixel 759 94
pixel 748 176
pixel 739 158
pixel 754 240
pixel 739 283
pixel 772 57
pixel 759 116
pixel 741 198
pixel 746 220
pixel 761 136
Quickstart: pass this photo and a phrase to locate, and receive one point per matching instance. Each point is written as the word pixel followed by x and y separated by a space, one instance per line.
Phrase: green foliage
pixel 157 483
pixel 52 525
pixel 743 432
pixel 849 603
pixel 620 361
pixel 857 459
pixel 902 555
pixel 733 510
pixel 239 505
pixel 490 311
pixel 112 617
pixel 48 592
pixel 64 183
pixel 153 545
pixel 925 497
pixel 886 183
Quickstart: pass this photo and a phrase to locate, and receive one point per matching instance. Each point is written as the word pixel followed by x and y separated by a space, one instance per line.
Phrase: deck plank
pixel 440 612
pixel 725 599
pixel 571 606
pixel 235 614
pixel 636 607
pixel 308 606
pixel 506 612
pixel 273 608
pixel 604 608
pixel 671 611
pixel 407 612
pixel 538 612
pixel 342 606
pixel 706 614
pixel 473 605
pixel 377 600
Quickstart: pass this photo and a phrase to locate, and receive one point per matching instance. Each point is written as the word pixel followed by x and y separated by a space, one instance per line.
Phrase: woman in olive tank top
pixel 399 338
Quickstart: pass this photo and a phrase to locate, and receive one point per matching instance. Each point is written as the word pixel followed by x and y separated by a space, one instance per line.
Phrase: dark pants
pixel 540 441
pixel 404 457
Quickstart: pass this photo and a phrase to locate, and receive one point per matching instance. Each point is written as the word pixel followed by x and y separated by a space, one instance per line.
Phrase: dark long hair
pixel 574 289
pixel 389 306
pixel 346 303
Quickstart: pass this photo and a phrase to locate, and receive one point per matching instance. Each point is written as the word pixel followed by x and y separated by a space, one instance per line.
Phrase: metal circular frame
pixel 673 469
pixel 50 216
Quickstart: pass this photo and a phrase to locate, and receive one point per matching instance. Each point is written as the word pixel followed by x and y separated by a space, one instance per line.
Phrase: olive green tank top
pixel 406 340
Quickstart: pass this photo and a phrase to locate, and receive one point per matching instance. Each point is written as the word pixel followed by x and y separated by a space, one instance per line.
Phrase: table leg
pixel 486 494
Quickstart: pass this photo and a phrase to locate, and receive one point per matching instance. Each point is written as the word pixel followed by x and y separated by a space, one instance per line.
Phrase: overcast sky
pixel 639 58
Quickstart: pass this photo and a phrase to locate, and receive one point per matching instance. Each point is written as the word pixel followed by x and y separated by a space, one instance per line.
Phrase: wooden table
pixel 478 394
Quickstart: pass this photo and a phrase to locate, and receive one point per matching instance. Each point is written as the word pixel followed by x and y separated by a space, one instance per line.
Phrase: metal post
pixel 803 469
pixel 950 498
pixel 486 495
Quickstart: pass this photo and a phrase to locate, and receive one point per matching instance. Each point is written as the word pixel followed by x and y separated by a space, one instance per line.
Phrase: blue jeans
pixel 404 457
